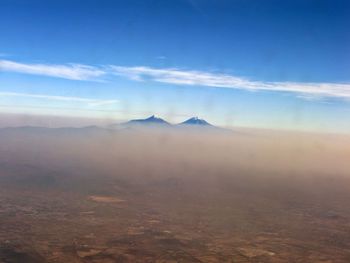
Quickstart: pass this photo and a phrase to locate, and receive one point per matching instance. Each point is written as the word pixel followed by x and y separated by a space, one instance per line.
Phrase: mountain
pixel 195 121
pixel 153 120
pixel 199 125
pixel 194 124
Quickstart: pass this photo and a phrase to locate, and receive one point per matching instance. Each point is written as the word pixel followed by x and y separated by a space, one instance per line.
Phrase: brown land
pixel 160 196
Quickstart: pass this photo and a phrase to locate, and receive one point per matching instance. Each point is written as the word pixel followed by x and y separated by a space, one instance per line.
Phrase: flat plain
pixel 71 195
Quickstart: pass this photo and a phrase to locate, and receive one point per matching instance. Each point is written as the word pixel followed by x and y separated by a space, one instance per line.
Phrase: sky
pixel 239 63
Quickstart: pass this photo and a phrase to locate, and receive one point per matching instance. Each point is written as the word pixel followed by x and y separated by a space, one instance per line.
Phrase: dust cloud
pixel 242 194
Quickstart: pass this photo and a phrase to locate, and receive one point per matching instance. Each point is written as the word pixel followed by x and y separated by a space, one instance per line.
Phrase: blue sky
pixel 270 64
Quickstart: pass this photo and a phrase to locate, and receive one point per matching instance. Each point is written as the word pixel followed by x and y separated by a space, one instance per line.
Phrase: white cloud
pixel 68 71
pixel 200 78
pixel 178 77
pixel 88 101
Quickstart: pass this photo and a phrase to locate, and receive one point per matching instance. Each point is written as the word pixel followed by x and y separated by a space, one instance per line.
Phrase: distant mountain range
pixel 155 121
pixel 193 123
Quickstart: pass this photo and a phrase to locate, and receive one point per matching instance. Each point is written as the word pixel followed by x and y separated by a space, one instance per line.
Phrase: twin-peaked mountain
pixel 155 121
pixel 192 124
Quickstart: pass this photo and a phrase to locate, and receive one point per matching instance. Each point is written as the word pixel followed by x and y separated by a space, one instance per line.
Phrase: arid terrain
pixel 91 195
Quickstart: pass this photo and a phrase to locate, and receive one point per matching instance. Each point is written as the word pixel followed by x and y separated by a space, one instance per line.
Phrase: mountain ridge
pixel 193 123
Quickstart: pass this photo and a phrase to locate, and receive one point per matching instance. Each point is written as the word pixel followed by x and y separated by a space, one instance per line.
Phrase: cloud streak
pixel 67 71
pixel 177 77
pixel 200 78
pixel 88 101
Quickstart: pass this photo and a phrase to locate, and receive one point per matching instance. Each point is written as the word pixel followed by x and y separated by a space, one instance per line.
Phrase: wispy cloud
pixel 67 71
pixel 178 77
pixel 88 101
pixel 200 78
